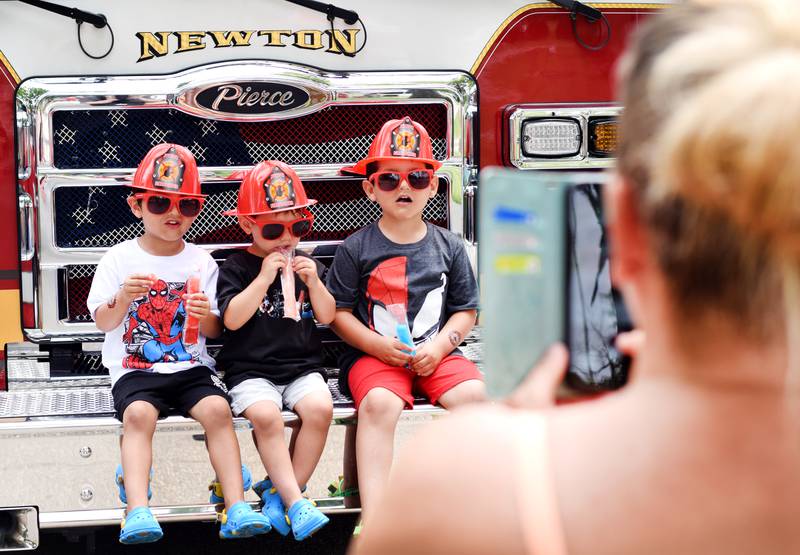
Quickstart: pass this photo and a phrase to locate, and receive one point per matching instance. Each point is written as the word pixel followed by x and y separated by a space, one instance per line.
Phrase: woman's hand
pixel 630 342
pixel 538 390
pixel 540 387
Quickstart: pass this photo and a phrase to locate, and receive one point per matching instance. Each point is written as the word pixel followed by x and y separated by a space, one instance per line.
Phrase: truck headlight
pixel 551 137
pixel 561 137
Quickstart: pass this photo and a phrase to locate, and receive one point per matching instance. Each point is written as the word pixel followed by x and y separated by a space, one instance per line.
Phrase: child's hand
pixel 391 351
pixel 427 359
pixel 197 305
pixel 272 264
pixel 135 286
pixel 306 269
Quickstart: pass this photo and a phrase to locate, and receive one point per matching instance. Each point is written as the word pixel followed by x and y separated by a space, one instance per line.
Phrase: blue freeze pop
pixel 404 335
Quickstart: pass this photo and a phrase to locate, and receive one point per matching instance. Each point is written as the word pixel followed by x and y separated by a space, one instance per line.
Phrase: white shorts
pixel 261 389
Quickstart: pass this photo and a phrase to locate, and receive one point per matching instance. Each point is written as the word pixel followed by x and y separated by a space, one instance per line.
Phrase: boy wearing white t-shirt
pixel 140 299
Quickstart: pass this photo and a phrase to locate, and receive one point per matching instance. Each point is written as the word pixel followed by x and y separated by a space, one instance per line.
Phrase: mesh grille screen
pixel 92 217
pixel 342 209
pixel 85 139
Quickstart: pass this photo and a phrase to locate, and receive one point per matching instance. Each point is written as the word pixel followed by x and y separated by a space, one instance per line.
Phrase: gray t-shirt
pixel 433 278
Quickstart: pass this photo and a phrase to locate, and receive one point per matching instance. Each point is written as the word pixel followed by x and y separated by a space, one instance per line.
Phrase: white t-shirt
pixel 150 337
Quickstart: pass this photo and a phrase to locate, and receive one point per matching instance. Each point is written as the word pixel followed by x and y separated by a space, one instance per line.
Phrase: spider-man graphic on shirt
pixel 154 330
pixel 388 284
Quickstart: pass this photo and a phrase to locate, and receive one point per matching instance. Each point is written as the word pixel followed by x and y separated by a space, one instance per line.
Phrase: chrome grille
pixel 86 139
pixel 84 136
pixel 92 217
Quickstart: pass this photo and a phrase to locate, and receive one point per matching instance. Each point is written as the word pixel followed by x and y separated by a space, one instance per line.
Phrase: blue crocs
pixel 140 526
pixel 242 522
pixel 306 519
pixel 273 507
pixel 216 488
pixel 262 486
pixel 121 485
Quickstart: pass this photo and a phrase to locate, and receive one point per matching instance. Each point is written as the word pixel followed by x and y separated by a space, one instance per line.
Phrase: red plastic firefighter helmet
pixel 398 139
pixel 271 186
pixel 168 168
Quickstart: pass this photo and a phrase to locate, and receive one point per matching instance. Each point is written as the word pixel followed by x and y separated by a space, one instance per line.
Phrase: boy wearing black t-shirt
pixel 405 298
pixel 272 352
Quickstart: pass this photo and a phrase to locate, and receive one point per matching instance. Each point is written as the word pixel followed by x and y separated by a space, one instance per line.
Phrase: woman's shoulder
pixel 476 449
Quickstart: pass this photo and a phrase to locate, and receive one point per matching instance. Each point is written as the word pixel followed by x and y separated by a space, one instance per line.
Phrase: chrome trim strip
pixel 175 513
pixel 582 114
pixel 41 97
pixel 26 231
pixel 24 142
pixel 22 424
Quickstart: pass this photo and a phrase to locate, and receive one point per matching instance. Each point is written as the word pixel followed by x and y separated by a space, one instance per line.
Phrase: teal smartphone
pixel 521 272
pixel 545 277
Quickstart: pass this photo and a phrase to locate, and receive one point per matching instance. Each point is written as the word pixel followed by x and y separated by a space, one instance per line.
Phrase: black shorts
pixel 180 390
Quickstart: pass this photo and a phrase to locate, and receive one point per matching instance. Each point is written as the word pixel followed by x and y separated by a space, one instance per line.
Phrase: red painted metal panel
pixel 9 259
pixel 536 59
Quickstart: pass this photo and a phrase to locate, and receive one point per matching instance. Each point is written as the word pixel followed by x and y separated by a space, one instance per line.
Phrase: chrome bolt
pixel 85 451
pixel 86 493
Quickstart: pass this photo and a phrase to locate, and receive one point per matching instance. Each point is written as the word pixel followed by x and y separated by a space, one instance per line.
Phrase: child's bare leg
pixel 136 447
pixel 378 414
pixel 315 411
pixel 295 427
pixel 268 430
pixel 214 414
pixel 350 466
pixel 470 391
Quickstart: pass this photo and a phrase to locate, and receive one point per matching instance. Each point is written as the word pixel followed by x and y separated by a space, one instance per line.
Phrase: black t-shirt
pixel 433 278
pixel 268 345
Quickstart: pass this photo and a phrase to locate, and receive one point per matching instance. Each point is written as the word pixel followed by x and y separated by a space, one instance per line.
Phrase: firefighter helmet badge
pixel 168 172
pixel 405 140
pixel 279 190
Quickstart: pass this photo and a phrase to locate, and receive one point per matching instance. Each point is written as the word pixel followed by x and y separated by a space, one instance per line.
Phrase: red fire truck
pixel 85 92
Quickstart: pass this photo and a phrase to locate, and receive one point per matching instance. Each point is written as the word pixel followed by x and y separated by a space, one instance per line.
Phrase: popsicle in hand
pixel 402 331
pixel 191 327
pixel 290 309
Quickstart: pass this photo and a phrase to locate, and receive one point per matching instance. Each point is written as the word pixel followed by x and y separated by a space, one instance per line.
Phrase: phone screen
pixel 545 277
pixel 595 313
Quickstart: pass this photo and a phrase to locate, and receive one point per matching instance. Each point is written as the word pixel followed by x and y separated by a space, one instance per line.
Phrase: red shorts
pixel 369 372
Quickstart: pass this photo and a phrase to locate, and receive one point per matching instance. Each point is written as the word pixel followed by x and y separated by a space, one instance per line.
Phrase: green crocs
pixel 337 489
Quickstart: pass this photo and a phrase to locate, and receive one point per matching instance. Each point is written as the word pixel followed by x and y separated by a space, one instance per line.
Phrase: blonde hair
pixel 708 141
